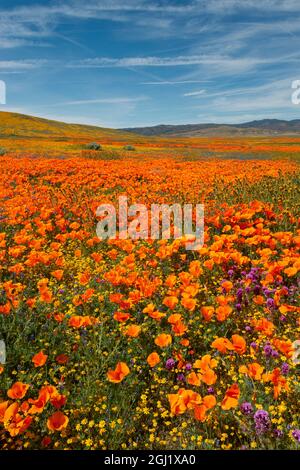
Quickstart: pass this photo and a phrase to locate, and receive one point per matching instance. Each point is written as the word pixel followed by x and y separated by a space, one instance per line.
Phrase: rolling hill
pixel 13 125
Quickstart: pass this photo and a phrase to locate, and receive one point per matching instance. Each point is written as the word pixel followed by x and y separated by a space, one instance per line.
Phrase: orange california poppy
pixel 3 408
pixel 58 274
pixel 253 370
pixel 58 400
pixel 39 404
pixel 239 344
pixel 170 280
pixel 153 359
pixel 223 312
pixel 205 363
pixel 170 302
pixel 121 316
pixel 227 285
pixel 207 312
pixel 209 377
pixel 195 268
pixel 222 345
pixel 163 340
pixel 194 379
pixel 174 318
pixel 188 303
pixel 62 359
pixel 133 331
pixel 39 359
pixel 10 412
pixel 231 397
pixel 179 328
pixel 190 398
pixel 177 404
pixel 265 326
pixel 57 422
pixel 200 411
pixel 120 372
pixel 18 390
pixel 285 347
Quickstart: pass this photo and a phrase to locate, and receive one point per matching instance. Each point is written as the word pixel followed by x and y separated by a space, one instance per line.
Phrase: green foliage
pixel 2 151
pixel 93 146
pixel 129 148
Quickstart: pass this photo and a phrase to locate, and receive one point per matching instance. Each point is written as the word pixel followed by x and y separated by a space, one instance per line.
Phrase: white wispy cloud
pixel 175 82
pixel 113 100
pixel 20 65
pixel 216 63
pixel 104 62
pixel 195 93
pixel 227 6
pixel 273 98
pixel 40 20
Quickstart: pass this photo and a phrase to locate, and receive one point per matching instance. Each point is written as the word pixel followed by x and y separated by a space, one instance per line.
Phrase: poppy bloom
pixel 174 318
pixel 170 302
pixel 57 422
pixel 227 285
pixel 39 404
pixel 46 441
pixel 163 340
pixel 177 404
pixel 239 344
pixel 3 408
pixel 223 312
pixel 18 425
pixel 58 274
pixel 179 328
pixel 265 326
pixel 222 345
pixel 17 391
pixel 205 363
pixel 253 370
pixel 188 303
pixel 120 372
pixel 209 377
pixel 133 331
pixel 183 400
pixel 194 379
pixel 195 268
pixel 39 359
pixel 62 359
pixel 170 280
pixel 121 316
pixel 58 400
pixel 153 359
pixel 231 397
pixel 9 412
pixel 208 402
pixel 207 312
pixel 285 347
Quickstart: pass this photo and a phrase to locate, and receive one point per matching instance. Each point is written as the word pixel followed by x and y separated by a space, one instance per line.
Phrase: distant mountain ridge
pixel 14 125
pixel 257 127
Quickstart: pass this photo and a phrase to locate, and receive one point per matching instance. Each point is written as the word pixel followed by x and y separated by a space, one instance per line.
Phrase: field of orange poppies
pixel 127 344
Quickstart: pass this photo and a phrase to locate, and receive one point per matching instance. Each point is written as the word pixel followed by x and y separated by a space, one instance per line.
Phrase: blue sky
pixel 122 63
